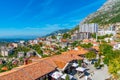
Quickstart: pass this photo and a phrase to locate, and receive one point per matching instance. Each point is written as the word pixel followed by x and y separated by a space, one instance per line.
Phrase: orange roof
pixel 15 75
pixel 63 40
pixel 41 67
pixel 95 42
pixel 4 68
pixel 76 52
pixel 60 64
pixel 34 59
pixel 96 47
pixel 63 59
pixel 86 40
pixel 28 72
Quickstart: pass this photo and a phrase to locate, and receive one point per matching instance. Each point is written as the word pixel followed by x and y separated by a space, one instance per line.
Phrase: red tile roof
pixel 76 52
pixel 63 40
pixel 60 64
pixel 96 47
pixel 28 72
pixel 41 67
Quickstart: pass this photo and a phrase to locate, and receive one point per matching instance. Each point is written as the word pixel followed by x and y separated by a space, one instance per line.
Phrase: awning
pixel 80 69
pixel 56 75
pixel 64 76
pixel 75 65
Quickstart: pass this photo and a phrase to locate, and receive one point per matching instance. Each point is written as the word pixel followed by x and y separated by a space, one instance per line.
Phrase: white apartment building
pixel 6 51
pixel 110 30
pixel 90 28
pixel 117 46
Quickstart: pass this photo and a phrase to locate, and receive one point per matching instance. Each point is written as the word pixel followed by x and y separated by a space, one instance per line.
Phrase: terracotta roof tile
pixel 96 47
pixel 15 75
pixel 41 67
pixel 60 64
pixel 77 52
pixel 29 72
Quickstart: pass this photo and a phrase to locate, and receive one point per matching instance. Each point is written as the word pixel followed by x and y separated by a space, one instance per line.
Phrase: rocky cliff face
pixel 109 13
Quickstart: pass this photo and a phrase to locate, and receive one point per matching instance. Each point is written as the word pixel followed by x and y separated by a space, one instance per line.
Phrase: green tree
pixel 89 45
pixel 75 43
pixel 90 55
pixel 79 62
pixel 96 65
pixel 105 48
pixel 37 48
pixel 53 37
pixel 66 36
pixel 114 67
pixel 67 77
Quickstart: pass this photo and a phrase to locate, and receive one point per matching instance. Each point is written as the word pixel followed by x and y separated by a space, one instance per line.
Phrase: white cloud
pixel 32 28
pixel 48 28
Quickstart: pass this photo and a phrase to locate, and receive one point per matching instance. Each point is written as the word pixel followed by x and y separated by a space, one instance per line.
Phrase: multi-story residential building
pixel 117 46
pixel 22 42
pixel 13 45
pixel 59 36
pixel 85 31
pixel 89 28
pixel 32 42
pixel 6 51
pixel 110 30
pixel 20 54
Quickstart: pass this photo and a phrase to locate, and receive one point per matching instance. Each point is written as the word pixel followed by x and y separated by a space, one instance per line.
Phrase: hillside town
pixel 83 54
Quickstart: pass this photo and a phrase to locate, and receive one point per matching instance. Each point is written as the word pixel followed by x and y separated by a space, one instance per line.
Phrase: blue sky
pixel 40 17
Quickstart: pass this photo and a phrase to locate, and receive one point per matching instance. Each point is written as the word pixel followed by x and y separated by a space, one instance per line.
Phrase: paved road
pixel 101 74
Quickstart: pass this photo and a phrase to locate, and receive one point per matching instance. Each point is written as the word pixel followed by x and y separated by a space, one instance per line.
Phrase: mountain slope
pixel 109 13
pixel 58 31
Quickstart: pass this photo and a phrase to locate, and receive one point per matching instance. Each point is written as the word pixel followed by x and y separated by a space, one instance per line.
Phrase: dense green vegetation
pixel 3 43
pixel 37 48
pixel 19 49
pixel 104 17
pixel 53 37
pixel 115 19
pixel 97 64
pixel 79 62
pixel 90 55
pixel 66 36
pixel 8 65
pixel 105 49
pixel 114 67
pixel 60 50
pixel 102 37
pixel 89 45
pixel 75 43
pixel 78 43
pixel 74 29
pixel 111 58
pixel 67 77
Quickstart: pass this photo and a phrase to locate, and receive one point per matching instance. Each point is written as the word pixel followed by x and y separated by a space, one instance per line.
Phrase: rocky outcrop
pixel 109 13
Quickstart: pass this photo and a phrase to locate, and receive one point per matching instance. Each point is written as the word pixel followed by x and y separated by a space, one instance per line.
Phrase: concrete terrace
pixel 100 74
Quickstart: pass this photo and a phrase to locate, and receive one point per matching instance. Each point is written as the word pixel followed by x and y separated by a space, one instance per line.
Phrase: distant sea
pixel 13 40
pixel 17 38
